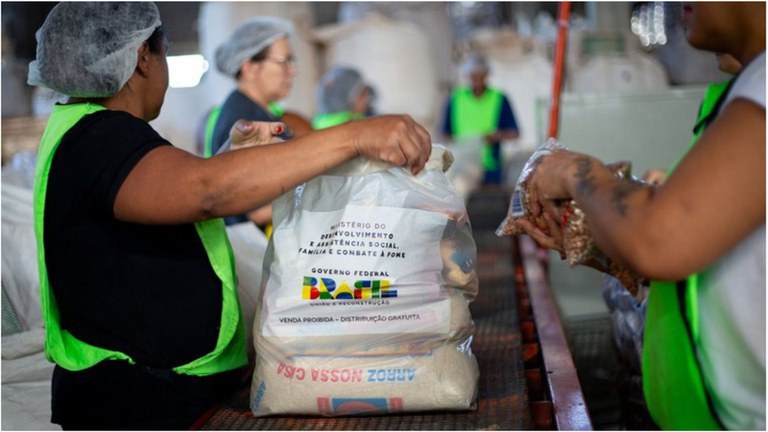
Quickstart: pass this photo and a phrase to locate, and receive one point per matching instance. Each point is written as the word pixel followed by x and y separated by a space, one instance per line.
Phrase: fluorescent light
pixel 186 70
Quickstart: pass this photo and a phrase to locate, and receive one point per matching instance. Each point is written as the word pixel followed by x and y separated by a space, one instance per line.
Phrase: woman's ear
pixel 247 68
pixel 142 65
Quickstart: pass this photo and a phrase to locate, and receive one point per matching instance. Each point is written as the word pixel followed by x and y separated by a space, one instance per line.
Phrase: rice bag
pixel 364 305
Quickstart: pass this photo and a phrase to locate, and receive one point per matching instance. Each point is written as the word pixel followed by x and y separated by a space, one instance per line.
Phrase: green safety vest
pixel 210 126
pixel 675 392
pixel 476 116
pixel 324 121
pixel 61 346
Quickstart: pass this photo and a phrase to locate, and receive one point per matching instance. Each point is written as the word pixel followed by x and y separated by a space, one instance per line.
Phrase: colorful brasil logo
pixel 328 289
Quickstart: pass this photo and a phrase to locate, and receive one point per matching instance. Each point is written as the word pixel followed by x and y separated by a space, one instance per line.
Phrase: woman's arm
pixel 170 185
pixel 713 200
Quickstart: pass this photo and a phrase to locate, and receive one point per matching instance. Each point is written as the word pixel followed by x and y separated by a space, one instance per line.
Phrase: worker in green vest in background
pixel 342 96
pixel 479 111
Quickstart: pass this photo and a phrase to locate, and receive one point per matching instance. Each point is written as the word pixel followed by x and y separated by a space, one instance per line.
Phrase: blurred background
pixel 627 62
pixel 632 86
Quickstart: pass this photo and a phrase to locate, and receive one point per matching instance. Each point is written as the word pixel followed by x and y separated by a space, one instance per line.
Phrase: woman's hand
pixel 561 176
pixel 252 133
pixel 395 139
pixel 552 239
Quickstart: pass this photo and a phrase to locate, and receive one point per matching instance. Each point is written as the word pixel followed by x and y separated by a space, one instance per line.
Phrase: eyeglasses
pixel 285 62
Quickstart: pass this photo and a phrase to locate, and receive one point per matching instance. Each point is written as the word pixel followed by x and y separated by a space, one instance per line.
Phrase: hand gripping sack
pixel 580 247
pixel 364 304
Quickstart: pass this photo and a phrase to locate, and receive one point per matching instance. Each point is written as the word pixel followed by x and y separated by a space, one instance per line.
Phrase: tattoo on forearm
pixel 585 183
pixel 619 195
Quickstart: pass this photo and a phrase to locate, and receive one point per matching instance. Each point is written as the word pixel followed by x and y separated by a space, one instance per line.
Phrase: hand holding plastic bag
pixel 570 235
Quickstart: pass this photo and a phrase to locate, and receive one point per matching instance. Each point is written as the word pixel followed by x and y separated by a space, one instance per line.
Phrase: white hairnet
pixel 474 63
pixel 337 90
pixel 249 39
pixel 90 49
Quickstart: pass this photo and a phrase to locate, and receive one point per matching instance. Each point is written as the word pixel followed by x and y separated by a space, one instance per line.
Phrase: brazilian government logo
pixel 329 289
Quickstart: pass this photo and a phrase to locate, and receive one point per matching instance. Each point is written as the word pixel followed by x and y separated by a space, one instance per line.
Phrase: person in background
pixel 342 96
pixel 373 96
pixel 477 110
pixel 259 56
pixel 137 279
pixel 703 358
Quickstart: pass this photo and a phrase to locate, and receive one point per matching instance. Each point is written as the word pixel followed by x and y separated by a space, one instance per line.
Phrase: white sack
pixel 444 379
pixel 369 264
pixel 249 245
pixel 20 279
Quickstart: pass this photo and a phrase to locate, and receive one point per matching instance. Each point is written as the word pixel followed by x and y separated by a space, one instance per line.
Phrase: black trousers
pixel 115 395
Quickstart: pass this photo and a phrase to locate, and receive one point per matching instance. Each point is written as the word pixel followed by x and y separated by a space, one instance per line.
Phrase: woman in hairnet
pixel 342 96
pixel 259 56
pixel 138 286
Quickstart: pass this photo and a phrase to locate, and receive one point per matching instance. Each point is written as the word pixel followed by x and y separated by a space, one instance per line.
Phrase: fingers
pixel 395 139
pixel 418 148
pixel 537 234
pixel 556 233
pixel 250 133
pixel 552 209
pixel 533 198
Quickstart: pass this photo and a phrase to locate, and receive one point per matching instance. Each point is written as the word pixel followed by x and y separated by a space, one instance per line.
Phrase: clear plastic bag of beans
pixel 578 243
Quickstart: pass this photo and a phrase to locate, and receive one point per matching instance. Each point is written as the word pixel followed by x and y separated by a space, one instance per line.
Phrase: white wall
pixel 651 129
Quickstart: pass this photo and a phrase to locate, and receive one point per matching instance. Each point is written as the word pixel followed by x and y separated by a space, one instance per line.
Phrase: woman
pixel 342 96
pixel 708 217
pixel 137 279
pixel 259 56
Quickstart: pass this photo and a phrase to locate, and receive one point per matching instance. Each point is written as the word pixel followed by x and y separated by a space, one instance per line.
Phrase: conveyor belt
pixel 512 393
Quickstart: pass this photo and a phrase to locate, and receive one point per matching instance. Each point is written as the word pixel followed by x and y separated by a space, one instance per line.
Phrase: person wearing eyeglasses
pixel 259 56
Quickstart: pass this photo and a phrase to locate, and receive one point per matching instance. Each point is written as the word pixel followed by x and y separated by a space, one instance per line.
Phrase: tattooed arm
pixel 712 201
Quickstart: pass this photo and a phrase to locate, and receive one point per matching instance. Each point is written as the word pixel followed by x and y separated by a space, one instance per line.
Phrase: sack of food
pixel 578 243
pixel 365 297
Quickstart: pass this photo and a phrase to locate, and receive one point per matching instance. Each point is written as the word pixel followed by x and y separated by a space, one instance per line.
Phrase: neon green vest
pixel 673 385
pixel 65 349
pixel 210 126
pixel 324 121
pixel 473 116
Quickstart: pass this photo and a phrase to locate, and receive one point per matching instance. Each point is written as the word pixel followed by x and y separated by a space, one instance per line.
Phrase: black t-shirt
pixel 146 290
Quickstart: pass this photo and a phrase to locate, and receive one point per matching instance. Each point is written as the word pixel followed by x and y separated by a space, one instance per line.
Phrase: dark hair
pixel 157 41
pixel 259 56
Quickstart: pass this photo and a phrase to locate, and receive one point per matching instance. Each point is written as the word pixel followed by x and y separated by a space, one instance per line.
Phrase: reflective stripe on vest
pixel 674 388
pixel 476 116
pixel 65 349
